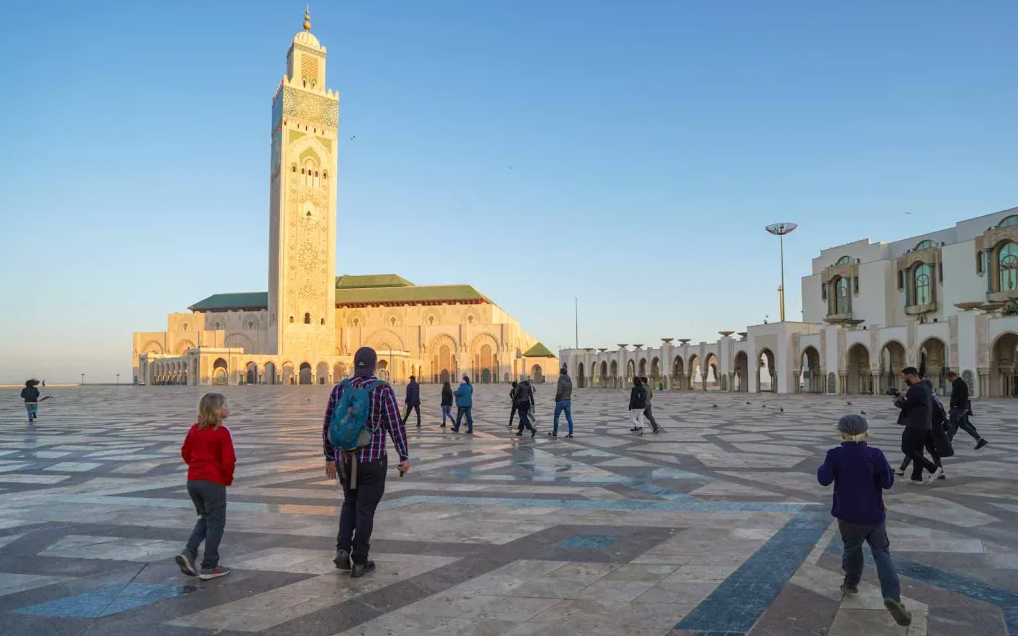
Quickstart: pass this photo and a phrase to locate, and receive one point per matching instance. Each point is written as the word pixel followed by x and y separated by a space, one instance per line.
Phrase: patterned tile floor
pixel 716 527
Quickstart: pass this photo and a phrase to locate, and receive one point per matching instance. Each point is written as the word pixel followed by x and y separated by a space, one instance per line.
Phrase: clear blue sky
pixel 650 142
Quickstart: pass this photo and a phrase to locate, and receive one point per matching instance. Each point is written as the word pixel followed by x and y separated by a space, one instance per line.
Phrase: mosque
pixel 306 327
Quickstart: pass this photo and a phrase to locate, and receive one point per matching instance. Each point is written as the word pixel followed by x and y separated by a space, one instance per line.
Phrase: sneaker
pixel 443 425
pixel 900 472
pixel 916 482
pixel 519 433
pixel 360 570
pixel 901 615
pixel 207 574
pixel 342 560
pixel 639 431
pixel 533 432
pixel 937 474
pixel 981 443
pixel 186 564
pixel 657 430
pixel 569 435
pixel 942 477
pixel 633 430
pixel 552 434
pixel 849 589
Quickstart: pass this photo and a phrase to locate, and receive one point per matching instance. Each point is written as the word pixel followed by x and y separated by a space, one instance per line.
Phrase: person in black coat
pixel 637 404
pixel 413 400
pixel 512 400
pixel 446 403
pixel 961 409
pixel 917 417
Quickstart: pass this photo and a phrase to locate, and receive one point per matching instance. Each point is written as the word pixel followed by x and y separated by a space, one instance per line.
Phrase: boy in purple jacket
pixel 860 474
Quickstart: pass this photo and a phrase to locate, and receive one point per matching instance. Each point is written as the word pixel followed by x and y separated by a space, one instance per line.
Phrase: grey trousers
pixel 648 414
pixel 210 503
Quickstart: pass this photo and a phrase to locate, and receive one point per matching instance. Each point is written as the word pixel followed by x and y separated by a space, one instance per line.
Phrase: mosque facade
pixel 306 327
pixel 945 300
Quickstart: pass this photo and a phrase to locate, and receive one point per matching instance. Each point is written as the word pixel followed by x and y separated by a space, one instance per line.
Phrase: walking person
pixel 362 469
pixel 512 400
pixel 413 401
pixel 961 409
pixel 917 416
pixel 446 403
pixel 523 400
pixel 637 403
pixel 210 458
pixel 464 394
pixel 860 473
pixel 30 394
pixel 648 411
pixel 563 402
pixel 937 441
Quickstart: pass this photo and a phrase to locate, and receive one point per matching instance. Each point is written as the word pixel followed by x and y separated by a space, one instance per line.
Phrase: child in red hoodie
pixel 208 453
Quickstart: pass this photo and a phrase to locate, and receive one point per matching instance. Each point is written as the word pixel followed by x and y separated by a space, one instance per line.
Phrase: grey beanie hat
pixel 853 425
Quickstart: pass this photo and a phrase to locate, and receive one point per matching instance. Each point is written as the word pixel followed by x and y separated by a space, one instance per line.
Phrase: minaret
pixel 302 205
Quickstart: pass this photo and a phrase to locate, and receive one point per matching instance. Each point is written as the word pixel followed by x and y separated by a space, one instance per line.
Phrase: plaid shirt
pixel 384 417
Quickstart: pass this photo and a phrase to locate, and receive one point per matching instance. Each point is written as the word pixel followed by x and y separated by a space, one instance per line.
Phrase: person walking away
pixel 210 458
pixel 937 441
pixel 512 400
pixel 413 400
pixel 464 394
pixel 860 473
pixel 917 416
pixel 648 411
pixel 563 402
pixel 637 403
pixel 362 469
pixel 446 403
pixel 961 409
pixel 524 401
pixel 30 394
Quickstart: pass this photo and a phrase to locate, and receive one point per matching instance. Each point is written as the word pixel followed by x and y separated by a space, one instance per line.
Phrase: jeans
pixel 912 442
pixel 33 410
pixel 209 500
pixel 648 413
pixel 636 418
pixel 447 412
pixel 460 412
pixel 524 410
pixel 853 535
pixel 357 516
pixel 563 406
pixel 960 419
pixel 415 407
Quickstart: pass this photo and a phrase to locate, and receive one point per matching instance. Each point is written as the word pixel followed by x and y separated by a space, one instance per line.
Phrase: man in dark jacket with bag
pixel 961 409
pixel 917 416
pixel 637 404
pixel 413 401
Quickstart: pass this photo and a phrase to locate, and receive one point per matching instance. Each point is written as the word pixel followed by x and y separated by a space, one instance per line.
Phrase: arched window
pixel 431 320
pixel 922 279
pixel 844 260
pixel 307 319
pixel 1007 259
pixel 1009 221
pixel 842 300
pixel 356 322
pixel 183 327
pixel 925 245
pixel 250 324
pixel 323 321
pixel 218 325
pixel 291 320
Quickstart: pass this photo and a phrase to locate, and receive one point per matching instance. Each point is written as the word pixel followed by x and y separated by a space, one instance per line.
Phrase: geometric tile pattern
pixel 715 527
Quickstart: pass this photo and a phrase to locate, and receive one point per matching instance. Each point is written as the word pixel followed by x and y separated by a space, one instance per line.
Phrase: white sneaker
pixel 900 472
pixel 937 474
pixel 917 482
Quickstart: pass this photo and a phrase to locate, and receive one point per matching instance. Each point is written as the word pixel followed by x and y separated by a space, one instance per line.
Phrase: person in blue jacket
pixel 464 395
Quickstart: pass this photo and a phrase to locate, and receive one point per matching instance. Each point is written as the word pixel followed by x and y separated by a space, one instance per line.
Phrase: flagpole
pixel 576 320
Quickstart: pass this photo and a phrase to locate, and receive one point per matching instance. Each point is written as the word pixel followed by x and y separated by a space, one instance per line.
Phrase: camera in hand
pixel 893 392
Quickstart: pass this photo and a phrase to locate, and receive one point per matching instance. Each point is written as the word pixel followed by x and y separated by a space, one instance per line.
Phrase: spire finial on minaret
pixel 307 17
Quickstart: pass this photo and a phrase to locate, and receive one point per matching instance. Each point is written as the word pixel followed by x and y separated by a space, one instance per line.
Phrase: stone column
pixel 982 388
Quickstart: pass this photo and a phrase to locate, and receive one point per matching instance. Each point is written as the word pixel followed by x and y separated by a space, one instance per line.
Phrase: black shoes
pixel 533 432
pixel 552 434
pixel 849 589
pixel 981 443
pixel 360 570
pixel 519 433
pixel 342 560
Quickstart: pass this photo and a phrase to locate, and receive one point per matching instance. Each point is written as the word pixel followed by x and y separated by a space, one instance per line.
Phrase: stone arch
pixel 766 368
pixel 537 374
pixel 251 376
pixel 711 372
pixel 581 379
pixel 655 370
pixel 678 372
pixel 239 340
pixel 442 354
pixel 892 360
pixel 613 372
pixel 934 362
pixel 859 379
pixel 603 373
pixel 740 377
pixel 812 377
pixel 694 371
pixel 385 340
pixel 305 373
pixel 630 370
pixel 220 372
pixel 182 347
pixel 322 373
pixel 269 375
pixel 484 357
pixel 643 367
pixel 338 372
pixel 1004 352
pixel 287 375
pixel 250 322
pixel 152 347
pixel 356 319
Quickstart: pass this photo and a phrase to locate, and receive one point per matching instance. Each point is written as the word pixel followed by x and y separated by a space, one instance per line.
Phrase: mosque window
pixel 307 318
pixel 855 285
pixel 844 260
pixel 841 303
pixel 291 320
pixel 1009 221
pixel 218 326
pixel 431 320
pixel 925 245
pixel 922 278
pixel 250 324
pixel 183 327
pixel 1007 259
pixel 293 168
pixel 356 322
pixel 325 174
pixel 392 321
pixel 901 279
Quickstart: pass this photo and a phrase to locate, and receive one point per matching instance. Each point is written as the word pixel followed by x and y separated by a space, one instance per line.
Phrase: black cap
pixel 364 361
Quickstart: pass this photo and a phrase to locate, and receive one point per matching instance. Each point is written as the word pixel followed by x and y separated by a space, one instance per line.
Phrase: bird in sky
pixel 510 167
pixel 909 213
pixel 354 137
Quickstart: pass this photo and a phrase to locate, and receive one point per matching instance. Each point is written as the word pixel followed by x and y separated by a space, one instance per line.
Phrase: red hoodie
pixel 209 454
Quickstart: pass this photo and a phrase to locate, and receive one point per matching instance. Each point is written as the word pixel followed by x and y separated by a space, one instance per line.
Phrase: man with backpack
pixel 637 404
pixel 361 411
pixel 523 400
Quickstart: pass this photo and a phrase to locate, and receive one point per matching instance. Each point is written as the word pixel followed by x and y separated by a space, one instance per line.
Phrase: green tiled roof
pixel 371 280
pixel 222 302
pixel 424 293
pixel 538 351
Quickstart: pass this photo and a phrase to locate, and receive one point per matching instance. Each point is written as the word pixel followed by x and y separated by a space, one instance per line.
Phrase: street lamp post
pixel 118 378
pixel 82 378
pixel 781 229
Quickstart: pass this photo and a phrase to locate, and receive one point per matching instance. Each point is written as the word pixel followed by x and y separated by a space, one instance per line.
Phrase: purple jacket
pixel 413 394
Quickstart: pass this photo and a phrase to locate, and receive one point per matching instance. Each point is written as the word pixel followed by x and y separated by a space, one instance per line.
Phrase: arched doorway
pixel 812 376
pixel 338 372
pixel 643 367
pixel 485 376
pixel 655 371
pixel 613 373
pixel 1004 366
pixel 630 372
pixel 859 380
pixel 252 373
pixel 305 373
pixel 270 373
pixel 443 364
pixel 604 373
pixel 892 361
pixel 741 378
pixel 382 370
pixel 288 377
pixel 678 373
pixel 713 378
pixel 767 378
pixel 323 372
pixel 537 374
pixel 694 372
pixel 484 363
pixel 220 372
pixel 933 362
pixel 581 380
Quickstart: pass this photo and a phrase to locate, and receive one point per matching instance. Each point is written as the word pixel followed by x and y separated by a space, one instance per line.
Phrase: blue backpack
pixel 349 428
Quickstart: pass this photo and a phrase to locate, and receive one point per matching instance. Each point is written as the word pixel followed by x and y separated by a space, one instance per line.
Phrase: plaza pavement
pixel 716 527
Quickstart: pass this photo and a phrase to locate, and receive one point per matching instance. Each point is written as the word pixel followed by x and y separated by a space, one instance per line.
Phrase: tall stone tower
pixel 302 205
